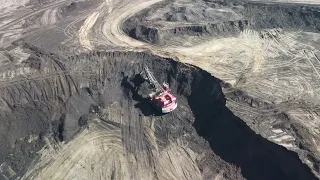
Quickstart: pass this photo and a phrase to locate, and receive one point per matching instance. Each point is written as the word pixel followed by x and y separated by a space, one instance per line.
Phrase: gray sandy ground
pixel 70 108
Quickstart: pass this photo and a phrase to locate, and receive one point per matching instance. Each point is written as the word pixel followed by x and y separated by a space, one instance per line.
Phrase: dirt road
pixel 267 53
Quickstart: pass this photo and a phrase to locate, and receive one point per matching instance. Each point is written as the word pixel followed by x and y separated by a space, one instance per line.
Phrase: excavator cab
pixel 164 101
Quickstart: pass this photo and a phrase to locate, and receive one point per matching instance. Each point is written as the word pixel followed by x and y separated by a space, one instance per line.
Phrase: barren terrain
pixel 70 102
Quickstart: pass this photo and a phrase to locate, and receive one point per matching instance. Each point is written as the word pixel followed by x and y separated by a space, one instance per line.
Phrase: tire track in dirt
pixel 180 166
pixel 100 153
pixel 134 137
pixel 85 29
pixel 119 145
pixel 112 28
pixel 315 2
pixel 49 17
pixel 71 26
pixel 50 6
pixel 310 62
pixel 102 147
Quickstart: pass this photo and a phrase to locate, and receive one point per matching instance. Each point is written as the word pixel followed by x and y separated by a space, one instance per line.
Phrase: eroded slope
pixel 233 40
pixel 267 52
pixel 121 136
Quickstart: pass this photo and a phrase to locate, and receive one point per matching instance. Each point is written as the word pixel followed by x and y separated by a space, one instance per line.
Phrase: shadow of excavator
pixel 138 90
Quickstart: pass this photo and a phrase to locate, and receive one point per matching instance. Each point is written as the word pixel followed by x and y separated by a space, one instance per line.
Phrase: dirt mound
pixel 165 21
pixel 58 97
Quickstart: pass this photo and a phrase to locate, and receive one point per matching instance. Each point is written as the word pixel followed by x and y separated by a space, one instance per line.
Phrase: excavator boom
pixel 152 80
pixel 160 98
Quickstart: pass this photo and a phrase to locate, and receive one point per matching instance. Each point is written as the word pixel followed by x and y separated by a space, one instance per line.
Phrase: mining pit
pixel 100 97
pixel 245 74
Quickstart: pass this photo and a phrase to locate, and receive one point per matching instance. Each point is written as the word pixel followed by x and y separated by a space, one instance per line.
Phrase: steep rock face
pixel 283 118
pixel 165 21
pixel 57 97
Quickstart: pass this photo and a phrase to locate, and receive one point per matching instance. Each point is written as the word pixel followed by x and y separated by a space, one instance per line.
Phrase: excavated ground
pixel 269 51
pixel 70 110
pixel 92 101
pixel 171 23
